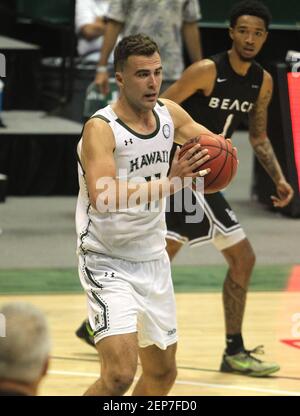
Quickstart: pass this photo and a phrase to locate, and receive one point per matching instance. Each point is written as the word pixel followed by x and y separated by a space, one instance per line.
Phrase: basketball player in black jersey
pixel 220 92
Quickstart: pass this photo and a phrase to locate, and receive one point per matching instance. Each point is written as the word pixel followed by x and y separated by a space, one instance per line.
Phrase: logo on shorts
pixel 166 130
pixel 171 332
pixel 110 274
pixel 232 215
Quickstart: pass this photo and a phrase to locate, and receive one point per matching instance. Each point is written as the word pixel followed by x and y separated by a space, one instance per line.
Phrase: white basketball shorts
pixel 126 297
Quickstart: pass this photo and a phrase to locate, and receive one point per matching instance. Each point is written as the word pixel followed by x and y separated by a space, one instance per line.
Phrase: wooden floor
pixel 269 319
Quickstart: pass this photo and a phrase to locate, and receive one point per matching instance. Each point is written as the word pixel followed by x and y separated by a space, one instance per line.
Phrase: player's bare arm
pixel 192 41
pixel 97 158
pixel 185 126
pixel 93 30
pixel 258 131
pixel 97 155
pixel 199 76
pixel 262 145
pixel 112 30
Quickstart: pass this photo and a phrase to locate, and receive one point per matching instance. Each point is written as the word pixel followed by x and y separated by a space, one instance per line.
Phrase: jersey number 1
pixel 227 125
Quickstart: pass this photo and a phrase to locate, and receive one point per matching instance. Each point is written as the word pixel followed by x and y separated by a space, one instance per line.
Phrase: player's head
pixel 249 23
pixel 138 70
pixel 134 45
pixel 25 347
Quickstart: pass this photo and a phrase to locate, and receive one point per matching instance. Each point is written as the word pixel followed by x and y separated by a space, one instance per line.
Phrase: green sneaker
pixel 244 363
pixel 86 333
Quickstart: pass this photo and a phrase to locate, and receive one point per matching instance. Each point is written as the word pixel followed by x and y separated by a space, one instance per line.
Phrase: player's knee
pixel 168 377
pixel 248 259
pixel 251 258
pixel 241 258
pixel 165 376
pixel 245 265
pixel 118 382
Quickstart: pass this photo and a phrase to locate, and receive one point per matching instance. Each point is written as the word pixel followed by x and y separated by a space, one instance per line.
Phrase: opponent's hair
pixel 25 347
pixel 139 44
pixel 252 8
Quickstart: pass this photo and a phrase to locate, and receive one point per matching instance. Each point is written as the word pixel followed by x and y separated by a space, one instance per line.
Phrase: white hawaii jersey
pixel 138 233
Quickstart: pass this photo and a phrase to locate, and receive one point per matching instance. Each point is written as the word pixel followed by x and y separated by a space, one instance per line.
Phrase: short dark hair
pixel 133 45
pixel 252 8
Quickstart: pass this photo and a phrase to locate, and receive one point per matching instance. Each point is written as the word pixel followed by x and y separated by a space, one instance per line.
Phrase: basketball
pixel 223 161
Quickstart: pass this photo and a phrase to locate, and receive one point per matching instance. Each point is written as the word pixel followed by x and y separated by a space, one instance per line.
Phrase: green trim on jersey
pixel 101 117
pixel 142 136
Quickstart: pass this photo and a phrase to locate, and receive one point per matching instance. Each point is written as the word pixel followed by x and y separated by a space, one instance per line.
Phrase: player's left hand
pixel 233 148
pixel 284 196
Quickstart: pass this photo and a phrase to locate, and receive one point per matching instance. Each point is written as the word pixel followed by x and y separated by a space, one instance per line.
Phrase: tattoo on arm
pixel 258 136
pixel 258 116
pixel 266 156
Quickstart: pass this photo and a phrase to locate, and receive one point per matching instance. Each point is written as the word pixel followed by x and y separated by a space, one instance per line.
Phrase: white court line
pixel 224 386
pixel 192 383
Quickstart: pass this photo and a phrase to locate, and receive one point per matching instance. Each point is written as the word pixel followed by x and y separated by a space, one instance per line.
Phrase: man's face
pixel 248 35
pixel 140 80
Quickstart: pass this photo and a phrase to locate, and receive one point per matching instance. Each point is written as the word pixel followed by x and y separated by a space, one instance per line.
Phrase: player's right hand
pixel 102 82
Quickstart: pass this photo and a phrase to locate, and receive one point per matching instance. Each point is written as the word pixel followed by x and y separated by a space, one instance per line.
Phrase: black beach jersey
pixel 231 100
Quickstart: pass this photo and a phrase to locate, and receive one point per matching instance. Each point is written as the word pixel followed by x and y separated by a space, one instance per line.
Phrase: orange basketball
pixel 223 161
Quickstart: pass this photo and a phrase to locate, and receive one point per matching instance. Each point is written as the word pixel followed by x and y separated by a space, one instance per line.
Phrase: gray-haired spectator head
pixel 24 347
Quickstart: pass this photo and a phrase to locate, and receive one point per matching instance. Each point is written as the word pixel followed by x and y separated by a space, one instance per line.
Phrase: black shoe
pixel 86 333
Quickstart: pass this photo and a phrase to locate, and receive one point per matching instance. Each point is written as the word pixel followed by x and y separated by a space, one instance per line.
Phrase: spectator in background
pixel 90 27
pixel 164 21
pixel 24 349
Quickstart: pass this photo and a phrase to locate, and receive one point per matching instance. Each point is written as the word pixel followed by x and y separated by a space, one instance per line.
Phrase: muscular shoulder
pixel 97 124
pixel 177 113
pixel 266 89
pixel 97 134
pixel 267 80
pixel 199 76
pixel 171 105
pixel 202 72
pixel 205 65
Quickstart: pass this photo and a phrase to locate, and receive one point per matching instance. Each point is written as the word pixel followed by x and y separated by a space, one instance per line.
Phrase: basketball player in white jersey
pixel 123 265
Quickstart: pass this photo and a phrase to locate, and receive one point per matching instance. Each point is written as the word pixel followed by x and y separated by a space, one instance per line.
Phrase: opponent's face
pixel 140 80
pixel 248 35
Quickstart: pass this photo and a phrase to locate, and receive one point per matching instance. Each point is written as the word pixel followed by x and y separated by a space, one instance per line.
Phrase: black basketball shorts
pixel 218 225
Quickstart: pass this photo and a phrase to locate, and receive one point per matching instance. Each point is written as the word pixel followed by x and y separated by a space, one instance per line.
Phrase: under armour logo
pixel 126 142
pixel 112 274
